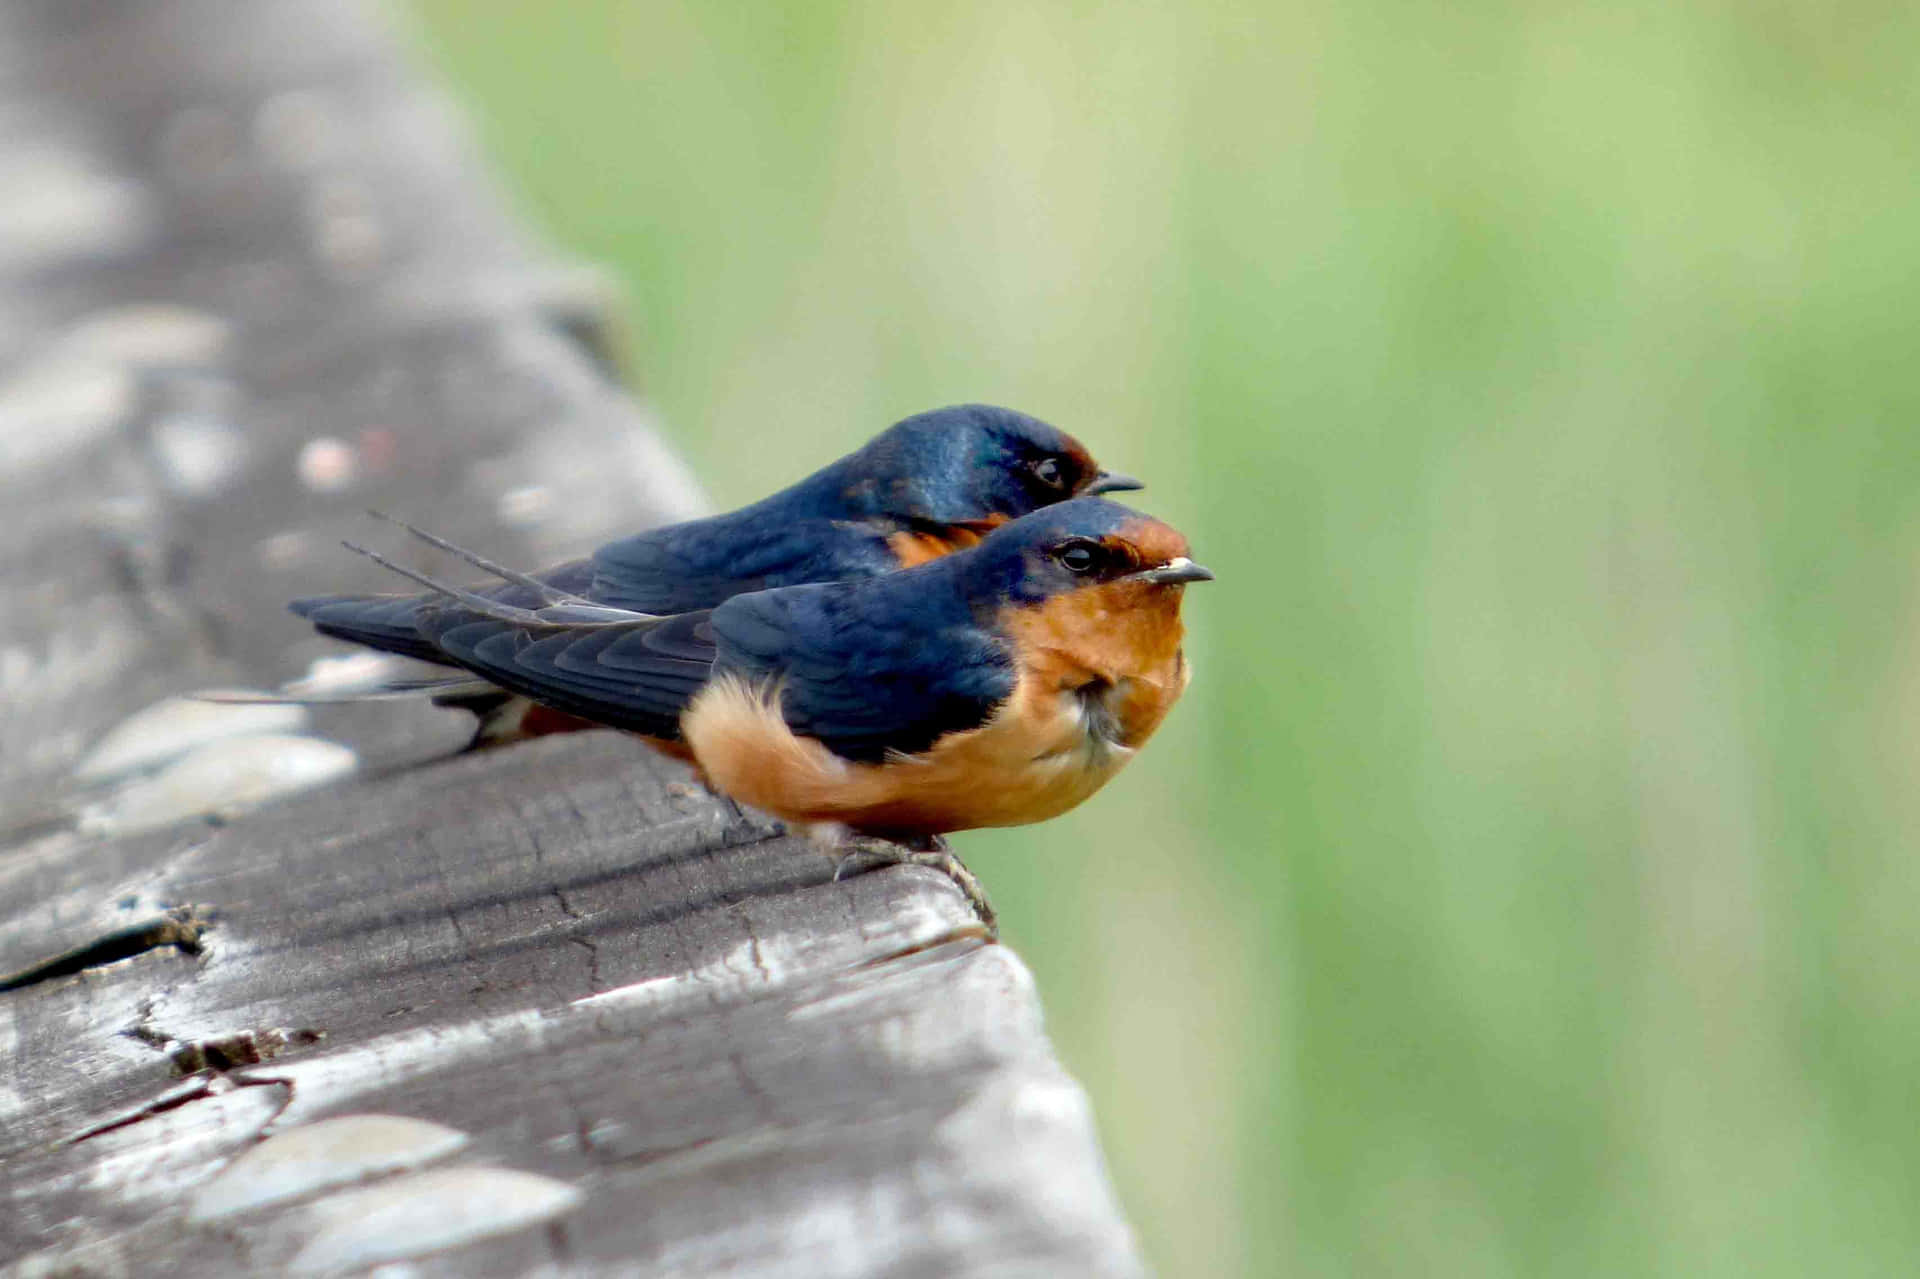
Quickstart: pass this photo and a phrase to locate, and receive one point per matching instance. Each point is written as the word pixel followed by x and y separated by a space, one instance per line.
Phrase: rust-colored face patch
pixel 1150 542
pixel 1118 629
pixel 1083 464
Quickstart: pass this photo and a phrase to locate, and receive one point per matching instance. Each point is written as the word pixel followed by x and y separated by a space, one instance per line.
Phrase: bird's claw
pixel 858 856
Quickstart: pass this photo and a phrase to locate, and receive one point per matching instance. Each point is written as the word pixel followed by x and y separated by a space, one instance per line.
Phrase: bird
pixel 999 685
pixel 927 485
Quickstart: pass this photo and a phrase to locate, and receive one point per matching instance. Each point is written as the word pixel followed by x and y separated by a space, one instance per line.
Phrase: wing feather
pixel 637 675
pixel 869 670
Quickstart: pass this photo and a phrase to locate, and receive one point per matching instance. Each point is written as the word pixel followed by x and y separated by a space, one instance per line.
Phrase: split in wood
pixel 226 1052
pixel 180 928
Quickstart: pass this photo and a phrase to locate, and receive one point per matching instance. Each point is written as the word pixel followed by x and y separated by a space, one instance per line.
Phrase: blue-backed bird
pixel 928 485
pixel 999 685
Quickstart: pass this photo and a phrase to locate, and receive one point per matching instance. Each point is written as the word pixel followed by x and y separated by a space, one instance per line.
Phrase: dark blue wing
pixel 649 575
pixel 679 569
pixel 704 563
pixel 635 675
pixel 867 668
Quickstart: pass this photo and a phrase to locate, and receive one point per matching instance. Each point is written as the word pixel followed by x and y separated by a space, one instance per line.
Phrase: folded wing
pixel 637 675
pixel 868 669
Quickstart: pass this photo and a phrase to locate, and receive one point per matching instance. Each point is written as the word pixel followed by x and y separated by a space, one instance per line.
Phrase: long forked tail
pixel 391 623
pixel 501 636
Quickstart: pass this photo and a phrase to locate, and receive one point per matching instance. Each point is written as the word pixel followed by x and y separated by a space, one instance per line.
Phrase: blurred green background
pixel 1527 886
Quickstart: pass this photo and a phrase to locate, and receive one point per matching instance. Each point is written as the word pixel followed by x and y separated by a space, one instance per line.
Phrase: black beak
pixel 1180 569
pixel 1111 482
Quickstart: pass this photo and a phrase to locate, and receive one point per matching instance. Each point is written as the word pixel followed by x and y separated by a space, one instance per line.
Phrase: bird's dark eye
pixel 1078 556
pixel 1047 471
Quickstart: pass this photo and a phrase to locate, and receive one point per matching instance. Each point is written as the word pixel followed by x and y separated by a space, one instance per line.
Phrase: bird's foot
pixel 861 854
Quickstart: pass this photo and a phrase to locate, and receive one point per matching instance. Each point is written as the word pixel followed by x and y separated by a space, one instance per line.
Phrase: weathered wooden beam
pixel 589 968
pixel 552 1008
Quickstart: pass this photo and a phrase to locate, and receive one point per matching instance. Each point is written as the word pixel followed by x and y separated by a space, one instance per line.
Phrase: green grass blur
pixel 1528 885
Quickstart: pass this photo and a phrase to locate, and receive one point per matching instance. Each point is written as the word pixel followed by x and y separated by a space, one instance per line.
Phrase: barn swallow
pixel 999 685
pixel 925 486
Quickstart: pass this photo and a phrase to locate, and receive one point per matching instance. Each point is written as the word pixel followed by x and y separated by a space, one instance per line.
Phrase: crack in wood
pixel 466 947
pixel 243 1048
pixel 594 984
pixel 559 1245
pixel 754 954
pixel 593 962
pixel 215 1084
pixel 762 1101
pixel 180 928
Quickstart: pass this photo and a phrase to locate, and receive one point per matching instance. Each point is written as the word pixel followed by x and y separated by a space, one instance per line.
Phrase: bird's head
pixel 1080 545
pixel 972 465
pixel 1087 577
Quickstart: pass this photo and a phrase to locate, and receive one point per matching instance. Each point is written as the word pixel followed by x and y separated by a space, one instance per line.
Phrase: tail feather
pixel 549 594
pixel 385 622
pixel 451 692
pixel 521 610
